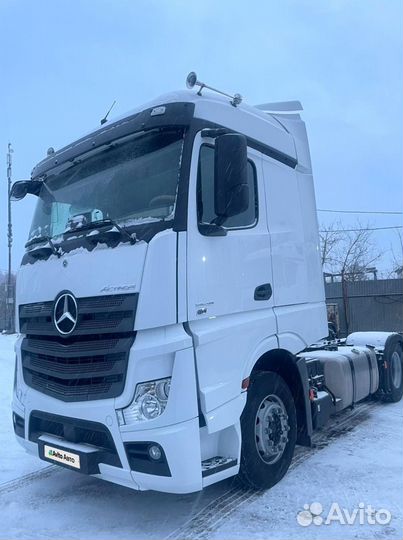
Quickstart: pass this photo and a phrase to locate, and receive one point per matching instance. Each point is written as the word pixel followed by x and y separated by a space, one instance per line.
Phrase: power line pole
pixel 9 292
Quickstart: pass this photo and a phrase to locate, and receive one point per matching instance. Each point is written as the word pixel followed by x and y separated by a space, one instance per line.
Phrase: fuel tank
pixel 351 373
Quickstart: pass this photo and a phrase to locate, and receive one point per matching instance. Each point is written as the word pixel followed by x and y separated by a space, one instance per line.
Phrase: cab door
pixel 229 280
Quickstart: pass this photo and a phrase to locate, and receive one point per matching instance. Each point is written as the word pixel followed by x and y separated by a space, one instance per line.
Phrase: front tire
pixel 269 431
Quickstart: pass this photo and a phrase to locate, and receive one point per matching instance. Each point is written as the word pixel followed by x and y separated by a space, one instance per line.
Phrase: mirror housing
pixel 231 190
pixel 20 189
pixel 210 229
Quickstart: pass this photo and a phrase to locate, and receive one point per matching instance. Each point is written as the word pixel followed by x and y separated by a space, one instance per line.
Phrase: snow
pixel 14 462
pixel 364 467
pixel 358 460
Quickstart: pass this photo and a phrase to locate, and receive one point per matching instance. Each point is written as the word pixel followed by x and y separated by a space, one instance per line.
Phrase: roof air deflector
pixel 280 106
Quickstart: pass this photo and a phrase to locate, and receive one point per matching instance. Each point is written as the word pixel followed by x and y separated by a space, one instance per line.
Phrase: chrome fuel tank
pixel 351 373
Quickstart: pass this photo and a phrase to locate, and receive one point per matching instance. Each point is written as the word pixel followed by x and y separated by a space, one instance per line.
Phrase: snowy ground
pixel 358 459
pixel 14 462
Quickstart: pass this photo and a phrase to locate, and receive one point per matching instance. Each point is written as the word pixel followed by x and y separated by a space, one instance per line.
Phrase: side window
pixel 205 193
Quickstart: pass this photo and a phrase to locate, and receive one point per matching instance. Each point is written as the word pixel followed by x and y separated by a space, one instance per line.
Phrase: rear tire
pixel 269 431
pixel 392 375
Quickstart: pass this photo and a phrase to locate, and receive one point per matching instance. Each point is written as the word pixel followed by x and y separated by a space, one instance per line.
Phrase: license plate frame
pixel 89 458
pixel 62 457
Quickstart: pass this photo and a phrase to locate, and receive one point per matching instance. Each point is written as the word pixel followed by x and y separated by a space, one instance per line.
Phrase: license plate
pixel 62 456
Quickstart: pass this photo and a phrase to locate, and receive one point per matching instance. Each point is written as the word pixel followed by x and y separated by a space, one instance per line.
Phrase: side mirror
pixel 231 190
pixel 23 187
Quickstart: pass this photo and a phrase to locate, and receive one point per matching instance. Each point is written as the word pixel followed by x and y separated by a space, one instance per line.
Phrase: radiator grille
pixel 100 314
pixel 89 364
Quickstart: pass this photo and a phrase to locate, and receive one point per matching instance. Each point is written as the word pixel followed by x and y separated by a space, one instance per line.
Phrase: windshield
pixel 130 183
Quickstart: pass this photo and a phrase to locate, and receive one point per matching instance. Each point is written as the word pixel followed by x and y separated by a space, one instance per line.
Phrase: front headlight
pixel 150 400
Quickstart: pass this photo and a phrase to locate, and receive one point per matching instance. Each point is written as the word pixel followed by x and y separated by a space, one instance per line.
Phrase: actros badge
pixel 65 313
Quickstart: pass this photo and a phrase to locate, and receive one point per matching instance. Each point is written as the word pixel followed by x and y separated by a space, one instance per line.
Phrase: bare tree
pixel 329 238
pixel 397 258
pixel 348 252
pixel 356 253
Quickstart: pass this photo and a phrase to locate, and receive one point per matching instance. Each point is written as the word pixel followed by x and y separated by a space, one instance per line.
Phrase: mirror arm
pixel 215 132
pixel 219 221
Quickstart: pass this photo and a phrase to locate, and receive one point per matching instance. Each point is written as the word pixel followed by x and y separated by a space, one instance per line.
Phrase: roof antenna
pixel 105 118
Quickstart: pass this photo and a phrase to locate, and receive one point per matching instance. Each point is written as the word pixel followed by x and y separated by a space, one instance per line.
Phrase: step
pixel 217 464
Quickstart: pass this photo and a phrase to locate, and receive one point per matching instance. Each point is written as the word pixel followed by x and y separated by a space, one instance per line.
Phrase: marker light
pixel 15 374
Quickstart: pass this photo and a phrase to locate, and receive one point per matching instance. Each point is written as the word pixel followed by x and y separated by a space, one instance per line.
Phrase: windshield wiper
pixel 51 246
pixel 102 223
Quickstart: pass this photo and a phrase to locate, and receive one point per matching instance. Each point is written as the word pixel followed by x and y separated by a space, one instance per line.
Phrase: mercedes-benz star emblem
pixel 65 313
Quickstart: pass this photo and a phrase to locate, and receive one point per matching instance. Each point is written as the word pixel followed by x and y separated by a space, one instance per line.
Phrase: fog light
pixel 155 452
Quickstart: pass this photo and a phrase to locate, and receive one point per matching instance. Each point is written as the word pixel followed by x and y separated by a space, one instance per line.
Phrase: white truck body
pixel 191 310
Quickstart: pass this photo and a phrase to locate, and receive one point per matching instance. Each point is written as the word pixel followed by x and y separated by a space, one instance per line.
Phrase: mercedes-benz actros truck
pixel 169 296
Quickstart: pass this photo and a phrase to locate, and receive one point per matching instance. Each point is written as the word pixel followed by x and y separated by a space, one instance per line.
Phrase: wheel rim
pixel 271 429
pixel 396 369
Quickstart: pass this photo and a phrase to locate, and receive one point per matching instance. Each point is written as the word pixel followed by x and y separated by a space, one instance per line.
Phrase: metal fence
pixel 367 305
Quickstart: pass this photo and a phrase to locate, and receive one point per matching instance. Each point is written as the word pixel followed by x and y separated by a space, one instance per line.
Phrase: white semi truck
pixel 169 297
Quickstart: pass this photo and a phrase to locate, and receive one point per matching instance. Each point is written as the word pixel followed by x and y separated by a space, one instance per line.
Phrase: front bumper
pixel 180 443
pixel 177 430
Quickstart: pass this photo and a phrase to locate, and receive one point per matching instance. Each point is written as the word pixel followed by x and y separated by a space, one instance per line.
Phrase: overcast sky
pixel 64 62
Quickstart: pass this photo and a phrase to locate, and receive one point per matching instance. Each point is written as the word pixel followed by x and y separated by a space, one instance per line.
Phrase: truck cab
pixel 171 278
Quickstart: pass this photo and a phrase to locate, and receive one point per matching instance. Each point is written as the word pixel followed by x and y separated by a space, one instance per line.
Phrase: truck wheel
pixel 269 431
pixel 392 377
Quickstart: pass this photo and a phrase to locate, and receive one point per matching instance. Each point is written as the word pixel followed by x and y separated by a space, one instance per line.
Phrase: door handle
pixel 263 292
